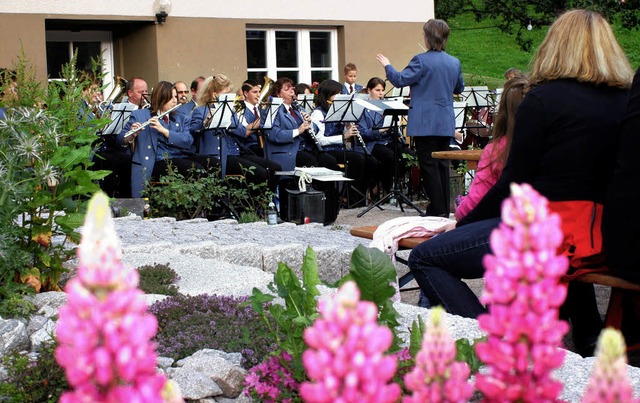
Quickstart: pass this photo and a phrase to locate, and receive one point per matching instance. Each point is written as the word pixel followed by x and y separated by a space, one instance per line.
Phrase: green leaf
pixel 467 353
pixel 310 280
pixel 70 221
pixel 373 272
pixel 417 334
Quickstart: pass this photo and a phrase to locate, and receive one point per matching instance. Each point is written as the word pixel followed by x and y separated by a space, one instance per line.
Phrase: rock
pixel 195 385
pixel 13 336
pixel 224 373
pixel 43 335
pixel 165 362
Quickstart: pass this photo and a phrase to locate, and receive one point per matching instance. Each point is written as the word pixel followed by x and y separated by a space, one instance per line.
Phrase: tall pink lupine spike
pixel 609 380
pixel 104 330
pixel 437 376
pixel 523 293
pixel 345 360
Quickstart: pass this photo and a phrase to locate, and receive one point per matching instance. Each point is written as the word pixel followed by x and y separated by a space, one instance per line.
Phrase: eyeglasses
pixel 183 92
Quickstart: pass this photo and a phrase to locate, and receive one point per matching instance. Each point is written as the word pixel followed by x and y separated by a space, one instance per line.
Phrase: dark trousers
pixel 440 264
pixel 434 173
pixel 186 165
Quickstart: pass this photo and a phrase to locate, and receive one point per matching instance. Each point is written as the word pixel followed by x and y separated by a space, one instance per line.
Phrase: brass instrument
pixel 312 133
pixel 103 108
pixel 148 122
pixel 264 92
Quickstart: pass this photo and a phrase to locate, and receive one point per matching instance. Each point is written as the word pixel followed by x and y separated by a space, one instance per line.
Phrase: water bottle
pixel 272 214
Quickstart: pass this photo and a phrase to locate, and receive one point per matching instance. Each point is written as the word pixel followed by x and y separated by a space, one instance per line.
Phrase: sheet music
pixel 119 116
pixel 271 112
pixel 223 114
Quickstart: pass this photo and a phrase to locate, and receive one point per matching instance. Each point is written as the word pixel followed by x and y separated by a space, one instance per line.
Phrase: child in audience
pixel 496 152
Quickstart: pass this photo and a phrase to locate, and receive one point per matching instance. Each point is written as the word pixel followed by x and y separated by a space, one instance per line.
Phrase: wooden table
pixel 471 156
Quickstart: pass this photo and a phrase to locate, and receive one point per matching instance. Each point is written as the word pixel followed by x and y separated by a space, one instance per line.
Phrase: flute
pixel 148 122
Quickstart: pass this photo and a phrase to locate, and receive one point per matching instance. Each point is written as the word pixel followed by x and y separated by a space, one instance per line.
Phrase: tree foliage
pixel 514 16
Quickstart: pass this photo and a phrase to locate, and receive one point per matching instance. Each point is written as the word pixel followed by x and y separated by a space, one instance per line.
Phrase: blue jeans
pixel 439 264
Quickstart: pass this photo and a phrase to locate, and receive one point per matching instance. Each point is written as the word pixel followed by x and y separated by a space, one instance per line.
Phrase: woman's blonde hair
pixel 580 44
pixel 211 87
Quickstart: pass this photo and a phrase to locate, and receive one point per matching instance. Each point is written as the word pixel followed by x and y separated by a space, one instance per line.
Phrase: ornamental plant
pixel 609 381
pixel 104 329
pixel 524 294
pixel 45 180
pixel 346 359
pixel 437 376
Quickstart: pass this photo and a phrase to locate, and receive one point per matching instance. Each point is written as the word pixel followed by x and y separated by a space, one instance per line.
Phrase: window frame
pixel 106 48
pixel 303 39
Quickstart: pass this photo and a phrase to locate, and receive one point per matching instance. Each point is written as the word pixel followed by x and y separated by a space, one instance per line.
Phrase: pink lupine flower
pixel 523 293
pixel 345 360
pixel 609 380
pixel 437 376
pixel 104 329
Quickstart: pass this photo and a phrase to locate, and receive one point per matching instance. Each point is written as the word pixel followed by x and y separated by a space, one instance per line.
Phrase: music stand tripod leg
pixel 400 197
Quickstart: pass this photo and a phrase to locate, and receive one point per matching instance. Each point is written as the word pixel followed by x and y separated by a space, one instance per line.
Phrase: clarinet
pixel 312 132
pixel 361 141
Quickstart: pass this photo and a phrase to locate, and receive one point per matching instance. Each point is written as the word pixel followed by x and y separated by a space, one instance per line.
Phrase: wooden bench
pixel 619 287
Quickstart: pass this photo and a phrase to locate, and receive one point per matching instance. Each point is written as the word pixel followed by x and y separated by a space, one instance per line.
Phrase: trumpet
pixel 312 133
pixel 103 108
pixel 148 122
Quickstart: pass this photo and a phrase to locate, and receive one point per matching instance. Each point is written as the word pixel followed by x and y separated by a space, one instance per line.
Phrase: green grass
pixel 486 53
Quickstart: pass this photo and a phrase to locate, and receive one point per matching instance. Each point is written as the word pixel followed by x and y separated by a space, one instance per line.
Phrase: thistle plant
pixel 45 155
pixel 524 294
pixel 437 376
pixel 609 380
pixel 346 359
pixel 104 329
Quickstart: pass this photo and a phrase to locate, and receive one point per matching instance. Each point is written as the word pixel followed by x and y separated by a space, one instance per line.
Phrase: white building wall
pixel 352 10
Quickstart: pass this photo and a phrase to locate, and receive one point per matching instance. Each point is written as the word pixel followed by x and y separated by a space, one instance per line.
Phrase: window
pixel 89 44
pixel 303 55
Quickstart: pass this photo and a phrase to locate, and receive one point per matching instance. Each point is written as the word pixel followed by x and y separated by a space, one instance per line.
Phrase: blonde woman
pixel 564 145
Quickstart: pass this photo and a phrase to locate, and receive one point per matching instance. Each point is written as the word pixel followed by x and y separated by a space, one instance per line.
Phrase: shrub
pixel 191 323
pixel 202 194
pixel 158 279
pixel 41 380
pixel 45 154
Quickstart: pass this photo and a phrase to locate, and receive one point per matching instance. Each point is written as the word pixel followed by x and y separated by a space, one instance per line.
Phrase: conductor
pixel 433 76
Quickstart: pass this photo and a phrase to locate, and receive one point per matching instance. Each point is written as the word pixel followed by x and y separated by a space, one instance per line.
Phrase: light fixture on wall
pixel 162 8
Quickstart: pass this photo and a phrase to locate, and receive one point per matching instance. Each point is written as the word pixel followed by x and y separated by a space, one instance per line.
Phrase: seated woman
pixel 290 144
pixel 378 139
pixel 496 152
pixel 564 144
pixel 210 141
pixel 332 138
pixel 162 142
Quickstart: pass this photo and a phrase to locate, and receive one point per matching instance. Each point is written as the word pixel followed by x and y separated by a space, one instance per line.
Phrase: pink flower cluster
pixel 271 381
pixel 437 377
pixel 346 359
pixel 609 380
pixel 523 292
pixel 104 329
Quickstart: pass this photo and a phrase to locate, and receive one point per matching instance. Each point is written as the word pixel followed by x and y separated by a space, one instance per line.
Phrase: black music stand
pixel 306 102
pixel 395 111
pixel 348 108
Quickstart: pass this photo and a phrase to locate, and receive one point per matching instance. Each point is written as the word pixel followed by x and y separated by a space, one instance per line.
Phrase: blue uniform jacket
pixel 209 141
pixel 369 124
pixel 283 147
pixel 151 146
pixel 356 88
pixel 241 131
pixel 433 77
